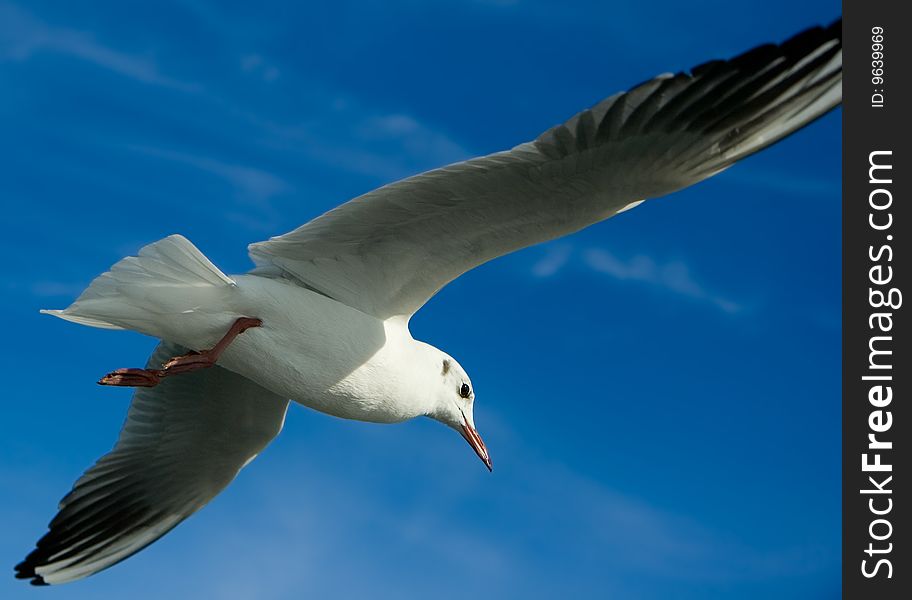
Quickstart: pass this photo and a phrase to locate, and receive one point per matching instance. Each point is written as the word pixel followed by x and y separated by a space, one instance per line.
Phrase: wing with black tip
pixel 183 442
pixel 389 251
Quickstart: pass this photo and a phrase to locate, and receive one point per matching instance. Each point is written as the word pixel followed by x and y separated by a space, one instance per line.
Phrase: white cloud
pixel 257 65
pixel 672 276
pixel 22 36
pixel 314 539
pixel 343 133
pixel 414 137
pixel 428 524
pixel 270 74
pixel 251 62
pixel 554 260
pixel 338 130
pixel 252 185
pixel 46 289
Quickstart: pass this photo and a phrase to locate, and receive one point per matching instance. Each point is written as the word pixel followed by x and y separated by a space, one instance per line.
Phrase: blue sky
pixel 660 393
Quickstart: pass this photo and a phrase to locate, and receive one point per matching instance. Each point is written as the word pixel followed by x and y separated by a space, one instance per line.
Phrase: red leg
pixel 132 378
pixel 186 363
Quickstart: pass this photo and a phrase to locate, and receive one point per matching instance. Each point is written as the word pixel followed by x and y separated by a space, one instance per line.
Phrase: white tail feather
pixel 167 277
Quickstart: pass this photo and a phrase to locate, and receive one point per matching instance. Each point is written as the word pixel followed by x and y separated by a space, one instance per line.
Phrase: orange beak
pixel 474 440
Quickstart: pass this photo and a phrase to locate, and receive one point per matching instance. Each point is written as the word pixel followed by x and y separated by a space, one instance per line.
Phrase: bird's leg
pixel 192 361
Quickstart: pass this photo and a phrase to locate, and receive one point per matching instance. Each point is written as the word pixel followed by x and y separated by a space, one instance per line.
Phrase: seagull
pixel 323 318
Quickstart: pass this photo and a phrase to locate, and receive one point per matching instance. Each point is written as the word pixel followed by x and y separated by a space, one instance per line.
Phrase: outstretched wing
pixel 389 251
pixel 182 443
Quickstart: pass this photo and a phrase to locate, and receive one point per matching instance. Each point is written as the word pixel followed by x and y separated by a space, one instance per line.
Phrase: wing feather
pixel 387 252
pixel 182 443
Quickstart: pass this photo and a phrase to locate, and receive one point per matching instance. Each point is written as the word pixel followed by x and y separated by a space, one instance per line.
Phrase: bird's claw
pixel 132 378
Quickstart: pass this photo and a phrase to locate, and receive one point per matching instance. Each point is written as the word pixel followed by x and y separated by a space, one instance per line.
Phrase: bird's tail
pixel 169 277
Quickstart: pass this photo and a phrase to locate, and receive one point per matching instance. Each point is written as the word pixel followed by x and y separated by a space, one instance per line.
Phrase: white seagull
pixel 323 318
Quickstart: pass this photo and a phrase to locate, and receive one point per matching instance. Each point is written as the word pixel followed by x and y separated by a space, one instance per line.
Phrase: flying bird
pixel 323 318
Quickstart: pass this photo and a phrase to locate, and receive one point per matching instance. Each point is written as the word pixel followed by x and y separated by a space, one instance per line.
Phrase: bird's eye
pixel 464 391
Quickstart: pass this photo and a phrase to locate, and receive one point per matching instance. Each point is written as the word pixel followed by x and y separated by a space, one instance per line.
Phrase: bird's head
pixel 455 403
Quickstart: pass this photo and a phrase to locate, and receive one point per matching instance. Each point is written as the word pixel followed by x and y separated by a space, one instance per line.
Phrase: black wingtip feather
pixel 26 570
pixel 718 95
pixel 803 42
pixel 703 68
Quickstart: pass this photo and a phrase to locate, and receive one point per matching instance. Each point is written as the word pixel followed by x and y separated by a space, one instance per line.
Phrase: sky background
pixel 660 393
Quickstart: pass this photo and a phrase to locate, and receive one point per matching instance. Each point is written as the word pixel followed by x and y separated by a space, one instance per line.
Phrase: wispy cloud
pixel 414 137
pixel 252 185
pixel 330 126
pixel 255 64
pixel 553 261
pixel 534 531
pixel 22 36
pixel 346 134
pixel 654 541
pixel 673 276
pixel 590 527
pixel 45 288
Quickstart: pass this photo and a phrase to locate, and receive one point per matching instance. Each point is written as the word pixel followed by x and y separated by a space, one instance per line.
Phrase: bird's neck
pixel 410 370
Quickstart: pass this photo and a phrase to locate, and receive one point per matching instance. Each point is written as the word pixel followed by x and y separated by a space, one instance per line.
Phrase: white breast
pixel 321 353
